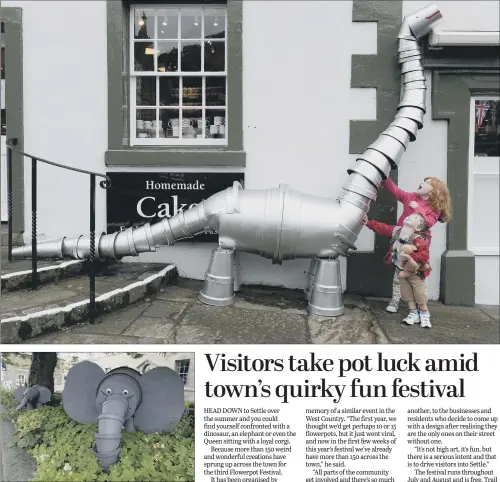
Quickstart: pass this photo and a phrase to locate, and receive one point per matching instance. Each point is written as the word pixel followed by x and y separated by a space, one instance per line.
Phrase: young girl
pixel 431 200
pixel 413 282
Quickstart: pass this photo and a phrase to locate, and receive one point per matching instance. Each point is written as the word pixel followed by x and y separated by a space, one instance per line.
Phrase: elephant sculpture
pixel 281 224
pixel 153 402
pixel 32 397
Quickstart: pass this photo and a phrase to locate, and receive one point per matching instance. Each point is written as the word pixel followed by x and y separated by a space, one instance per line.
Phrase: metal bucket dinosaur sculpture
pixel 282 224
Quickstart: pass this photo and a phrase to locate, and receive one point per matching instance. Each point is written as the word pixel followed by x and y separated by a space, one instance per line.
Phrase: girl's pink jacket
pixel 424 208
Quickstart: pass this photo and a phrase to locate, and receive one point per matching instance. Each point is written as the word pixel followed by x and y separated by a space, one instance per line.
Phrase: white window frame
pixel 486 170
pixel 181 363
pixel 21 376
pixel 202 142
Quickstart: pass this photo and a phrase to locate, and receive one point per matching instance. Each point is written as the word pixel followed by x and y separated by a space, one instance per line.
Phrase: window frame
pixel 120 152
pixel 19 382
pixel 183 142
pixel 479 167
pixel 184 362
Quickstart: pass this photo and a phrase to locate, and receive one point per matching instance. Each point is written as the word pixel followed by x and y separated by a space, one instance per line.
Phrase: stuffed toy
pixel 410 266
pixel 410 249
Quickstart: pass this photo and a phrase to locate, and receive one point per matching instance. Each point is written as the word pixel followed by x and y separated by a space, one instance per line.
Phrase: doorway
pixel 484 187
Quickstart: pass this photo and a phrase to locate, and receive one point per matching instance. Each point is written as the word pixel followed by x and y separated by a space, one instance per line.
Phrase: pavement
pixel 266 315
pixel 450 324
pixel 16 464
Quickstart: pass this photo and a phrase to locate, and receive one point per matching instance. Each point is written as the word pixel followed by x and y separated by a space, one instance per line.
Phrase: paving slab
pixel 353 327
pixel 160 329
pixel 450 325
pixel 165 309
pixel 490 310
pixel 239 326
pixel 113 324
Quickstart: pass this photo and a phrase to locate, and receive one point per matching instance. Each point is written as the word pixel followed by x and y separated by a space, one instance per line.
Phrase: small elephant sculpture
pixel 153 402
pixel 32 397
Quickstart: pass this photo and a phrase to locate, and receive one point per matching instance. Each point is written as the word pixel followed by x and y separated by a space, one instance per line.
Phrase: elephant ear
pixel 162 403
pixel 18 394
pixel 44 394
pixel 80 391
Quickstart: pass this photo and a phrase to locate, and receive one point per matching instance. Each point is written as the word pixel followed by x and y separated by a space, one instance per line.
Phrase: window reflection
pixel 487 128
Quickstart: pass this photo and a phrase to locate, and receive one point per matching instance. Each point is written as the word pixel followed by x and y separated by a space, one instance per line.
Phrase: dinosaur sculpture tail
pixel 279 223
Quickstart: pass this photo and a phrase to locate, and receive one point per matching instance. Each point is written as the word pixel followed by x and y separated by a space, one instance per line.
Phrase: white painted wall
pixel 297 63
pixel 65 109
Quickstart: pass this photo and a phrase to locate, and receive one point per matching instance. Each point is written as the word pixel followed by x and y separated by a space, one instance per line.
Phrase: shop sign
pixel 137 198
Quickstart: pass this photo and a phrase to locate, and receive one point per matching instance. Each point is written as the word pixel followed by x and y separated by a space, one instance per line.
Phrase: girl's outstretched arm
pixel 380 228
pixel 399 194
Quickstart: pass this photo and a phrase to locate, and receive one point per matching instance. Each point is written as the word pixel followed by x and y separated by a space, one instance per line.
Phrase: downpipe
pixel 281 224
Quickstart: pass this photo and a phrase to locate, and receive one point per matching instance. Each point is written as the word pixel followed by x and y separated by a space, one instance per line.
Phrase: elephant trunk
pixel 110 423
pixel 23 403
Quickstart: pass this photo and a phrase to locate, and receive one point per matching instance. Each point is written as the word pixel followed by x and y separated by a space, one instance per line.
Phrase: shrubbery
pixel 63 448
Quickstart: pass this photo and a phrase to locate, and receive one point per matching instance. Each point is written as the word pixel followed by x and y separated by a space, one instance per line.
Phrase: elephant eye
pixel 125 392
pixel 108 391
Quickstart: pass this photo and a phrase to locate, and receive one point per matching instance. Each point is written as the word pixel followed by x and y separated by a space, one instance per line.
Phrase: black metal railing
pixel 105 183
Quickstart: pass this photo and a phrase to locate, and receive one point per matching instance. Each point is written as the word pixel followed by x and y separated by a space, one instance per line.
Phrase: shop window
pixel 487 128
pixel 182 368
pixel 178 76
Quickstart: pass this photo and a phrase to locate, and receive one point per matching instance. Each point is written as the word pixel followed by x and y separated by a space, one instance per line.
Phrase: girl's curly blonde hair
pixel 439 198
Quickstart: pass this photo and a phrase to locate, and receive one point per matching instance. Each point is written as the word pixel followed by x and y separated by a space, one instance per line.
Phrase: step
pixel 17 275
pixel 26 314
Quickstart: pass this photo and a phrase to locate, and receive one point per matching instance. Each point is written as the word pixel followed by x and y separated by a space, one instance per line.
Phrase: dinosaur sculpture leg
pixel 218 289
